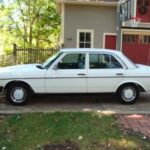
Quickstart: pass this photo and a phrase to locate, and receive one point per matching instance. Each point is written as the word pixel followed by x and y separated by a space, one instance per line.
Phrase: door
pixel 137 48
pixel 104 74
pixel 68 75
pixel 110 42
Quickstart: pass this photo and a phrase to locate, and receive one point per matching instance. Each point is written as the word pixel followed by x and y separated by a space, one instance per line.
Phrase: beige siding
pixel 99 18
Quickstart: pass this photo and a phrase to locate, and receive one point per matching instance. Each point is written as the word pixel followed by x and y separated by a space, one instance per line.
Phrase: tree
pixel 29 23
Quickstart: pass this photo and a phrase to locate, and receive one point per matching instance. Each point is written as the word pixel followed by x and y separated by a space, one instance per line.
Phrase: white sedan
pixel 76 71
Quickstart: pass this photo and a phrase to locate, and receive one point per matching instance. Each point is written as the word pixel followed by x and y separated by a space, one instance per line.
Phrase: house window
pixel 84 38
pixel 145 39
pixel 129 38
pixel 144 2
pixel 147 2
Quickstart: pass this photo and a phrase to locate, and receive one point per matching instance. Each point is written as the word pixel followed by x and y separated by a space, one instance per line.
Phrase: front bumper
pixel 1 90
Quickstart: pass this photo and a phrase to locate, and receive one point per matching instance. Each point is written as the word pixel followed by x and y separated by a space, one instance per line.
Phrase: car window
pixel 72 61
pixel 103 61
pixel 114 63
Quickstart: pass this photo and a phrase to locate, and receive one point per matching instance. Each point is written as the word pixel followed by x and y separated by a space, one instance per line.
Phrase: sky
pixel 7 2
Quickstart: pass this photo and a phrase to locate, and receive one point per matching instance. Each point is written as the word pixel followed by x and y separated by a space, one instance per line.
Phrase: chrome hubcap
pixel 128 94
pixel 18 94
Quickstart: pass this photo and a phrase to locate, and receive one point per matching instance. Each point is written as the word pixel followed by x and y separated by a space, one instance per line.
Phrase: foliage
pixel 90 131
pixel 28 23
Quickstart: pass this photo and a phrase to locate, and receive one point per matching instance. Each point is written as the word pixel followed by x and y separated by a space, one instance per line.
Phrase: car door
pixel 67 75
pixel 105 71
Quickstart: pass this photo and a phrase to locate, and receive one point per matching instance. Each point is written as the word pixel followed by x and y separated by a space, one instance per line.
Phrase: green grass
pixel 97 132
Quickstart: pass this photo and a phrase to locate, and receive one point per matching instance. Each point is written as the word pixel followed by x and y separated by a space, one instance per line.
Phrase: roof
pixel 89 50
pixel 112 3
pixel 90 2
pixel 93 0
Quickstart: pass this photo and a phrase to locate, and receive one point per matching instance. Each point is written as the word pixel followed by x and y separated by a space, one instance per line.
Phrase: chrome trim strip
pixel 17 79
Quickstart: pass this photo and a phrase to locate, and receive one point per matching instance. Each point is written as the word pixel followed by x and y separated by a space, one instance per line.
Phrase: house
pixel 135 30
pixel 112 24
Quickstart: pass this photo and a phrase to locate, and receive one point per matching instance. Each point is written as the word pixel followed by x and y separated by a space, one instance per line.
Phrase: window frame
pixel 85 31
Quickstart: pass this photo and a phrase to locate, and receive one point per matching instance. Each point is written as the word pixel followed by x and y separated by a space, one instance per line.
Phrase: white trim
pixel 85 30
pixel 131 31
pixel 136 31
pixel 62 23
pixel 135 6
pixel 104 37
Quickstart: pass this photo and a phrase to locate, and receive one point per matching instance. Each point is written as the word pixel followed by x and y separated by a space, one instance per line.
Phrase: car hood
pixel 21 71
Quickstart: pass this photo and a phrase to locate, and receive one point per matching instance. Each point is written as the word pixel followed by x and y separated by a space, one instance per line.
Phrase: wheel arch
pixel 138 85
pixel 19 82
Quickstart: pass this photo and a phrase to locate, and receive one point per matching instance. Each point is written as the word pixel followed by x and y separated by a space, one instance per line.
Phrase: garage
pixel 136 46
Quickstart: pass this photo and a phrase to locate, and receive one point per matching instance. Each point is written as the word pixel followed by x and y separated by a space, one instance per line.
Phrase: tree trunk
pixel 30 36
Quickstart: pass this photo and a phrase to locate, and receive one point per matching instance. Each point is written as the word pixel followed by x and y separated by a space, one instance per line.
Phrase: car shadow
pixel 78 99
pixel 82 99
pixel 74 98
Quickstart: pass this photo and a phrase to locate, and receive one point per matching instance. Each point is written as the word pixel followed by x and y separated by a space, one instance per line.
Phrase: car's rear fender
pixel 135 83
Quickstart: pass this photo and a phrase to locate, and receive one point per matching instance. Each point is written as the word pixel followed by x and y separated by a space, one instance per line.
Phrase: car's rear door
pixel 68 75
pixel 105 71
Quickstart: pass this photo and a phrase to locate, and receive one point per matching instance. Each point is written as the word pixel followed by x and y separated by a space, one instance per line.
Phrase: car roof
pixel 89 50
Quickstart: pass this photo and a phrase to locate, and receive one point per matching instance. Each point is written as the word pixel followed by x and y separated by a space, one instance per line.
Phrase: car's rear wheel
pixel 18 94
pixel 128 94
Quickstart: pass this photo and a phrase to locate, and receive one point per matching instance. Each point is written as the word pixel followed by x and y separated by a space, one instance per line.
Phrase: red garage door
pixel 110 42
pixel 137 48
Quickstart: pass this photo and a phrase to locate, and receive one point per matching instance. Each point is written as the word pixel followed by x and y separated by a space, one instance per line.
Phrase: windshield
pixel 50 60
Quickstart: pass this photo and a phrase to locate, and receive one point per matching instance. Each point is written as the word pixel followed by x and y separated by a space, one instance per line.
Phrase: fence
pixel 6 60
pixel 26 55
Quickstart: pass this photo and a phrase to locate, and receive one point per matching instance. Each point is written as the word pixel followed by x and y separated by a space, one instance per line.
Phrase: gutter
pixel 119 22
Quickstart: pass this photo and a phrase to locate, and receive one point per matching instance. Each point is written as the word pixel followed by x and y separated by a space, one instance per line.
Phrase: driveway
pixel 97 103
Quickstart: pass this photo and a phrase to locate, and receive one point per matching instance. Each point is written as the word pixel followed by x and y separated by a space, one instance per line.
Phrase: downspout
pixel 119 22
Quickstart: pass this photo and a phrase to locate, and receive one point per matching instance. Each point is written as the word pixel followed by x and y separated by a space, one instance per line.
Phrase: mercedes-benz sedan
pixel 76 71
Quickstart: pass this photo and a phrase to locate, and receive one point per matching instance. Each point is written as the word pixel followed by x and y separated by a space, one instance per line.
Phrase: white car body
pixel 54 80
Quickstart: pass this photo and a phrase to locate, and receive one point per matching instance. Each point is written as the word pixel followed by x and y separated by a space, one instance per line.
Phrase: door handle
pixel 119 74
pixel 81 74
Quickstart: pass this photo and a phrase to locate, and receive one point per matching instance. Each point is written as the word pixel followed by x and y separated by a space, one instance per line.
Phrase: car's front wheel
pixel 128 94
pixel 18 94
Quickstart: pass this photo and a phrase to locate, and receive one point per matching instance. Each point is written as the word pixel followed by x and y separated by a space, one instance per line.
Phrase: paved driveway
pixel 102 104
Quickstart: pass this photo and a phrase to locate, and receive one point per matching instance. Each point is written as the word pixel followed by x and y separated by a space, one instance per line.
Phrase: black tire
pixel 18 94
pixel 128 94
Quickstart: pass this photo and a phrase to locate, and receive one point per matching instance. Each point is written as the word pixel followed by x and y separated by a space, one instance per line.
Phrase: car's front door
pixel 68 75
pixel 105 71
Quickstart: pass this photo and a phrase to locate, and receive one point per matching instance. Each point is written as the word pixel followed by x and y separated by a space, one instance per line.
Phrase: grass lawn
pixel 89 131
